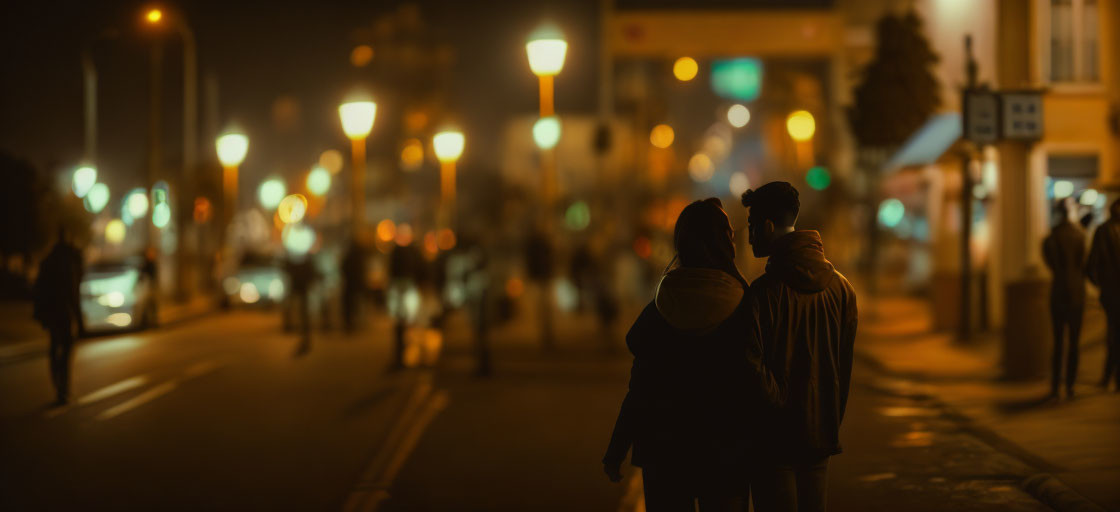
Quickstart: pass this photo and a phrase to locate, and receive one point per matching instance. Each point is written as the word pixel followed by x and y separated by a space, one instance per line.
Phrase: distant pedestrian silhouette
pixel 698 384
pixel 807 318
pixel 301 275
pixel 1103 269
pixel 58 309
pixel 353 284
pixel 1064 253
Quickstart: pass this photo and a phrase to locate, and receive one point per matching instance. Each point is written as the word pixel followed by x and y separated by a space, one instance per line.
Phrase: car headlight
pixel 119 319
pixel 111 299
pixel 249 293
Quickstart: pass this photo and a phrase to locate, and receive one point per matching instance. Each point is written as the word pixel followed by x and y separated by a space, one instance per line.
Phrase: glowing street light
pixel 137 203
pixel 448 146
pixel 232 147
pixel 357 121
pixel 318 181
pixel 115 231
pixel 153 16
pixel 662 136
pixel 292 209
pixel 83 180
pixel 546 49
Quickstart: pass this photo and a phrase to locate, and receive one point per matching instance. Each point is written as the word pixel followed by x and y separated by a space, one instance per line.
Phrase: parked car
pixel 118 295
pixel 258 280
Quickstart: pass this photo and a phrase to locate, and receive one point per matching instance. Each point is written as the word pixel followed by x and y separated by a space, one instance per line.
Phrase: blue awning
pixel 928 143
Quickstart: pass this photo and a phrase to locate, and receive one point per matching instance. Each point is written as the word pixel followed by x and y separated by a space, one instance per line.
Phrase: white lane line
pixel 138 400
pixel 101 394
pixel 422 407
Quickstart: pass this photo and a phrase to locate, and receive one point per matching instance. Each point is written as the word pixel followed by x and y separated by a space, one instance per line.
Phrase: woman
pixel 697 377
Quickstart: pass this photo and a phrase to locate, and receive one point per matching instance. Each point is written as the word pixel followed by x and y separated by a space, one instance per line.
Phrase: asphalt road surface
pixel 218 414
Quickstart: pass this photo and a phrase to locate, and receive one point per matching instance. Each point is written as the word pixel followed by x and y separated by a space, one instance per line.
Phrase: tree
pixel 896 95
pixel 898 91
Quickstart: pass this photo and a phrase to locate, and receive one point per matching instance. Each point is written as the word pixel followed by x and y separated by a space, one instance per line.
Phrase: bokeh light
pixel 357 118
pixel 202 210
pixel 700 168
pixel 386 230
pixel 685 69
pixel 1063 188
pixel 662 136
pixel 115 231
pixel 818 178
pixel 891 212
pixel 361 56
pixel 292 209
pixel 737 79
pixel 738 115
pixel 1089 197
pixel 801 125
pixel 318 181
pixel 161 215
pixel 412 155
pixel 546 53
pixel 232 148
pixel 271 192
pixel 331 160
pixel 445 239
pixel 137 203
pixel 578 216
pixel 738 183
pixel 298 238
pixel 154 15
pixel 546 132
pixel 404 234
pixel 97 198
pixel 83 180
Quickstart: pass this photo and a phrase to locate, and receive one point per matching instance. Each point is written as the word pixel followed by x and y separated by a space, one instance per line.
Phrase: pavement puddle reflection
pixel 878 477
pixel 916 439
pixel 908 412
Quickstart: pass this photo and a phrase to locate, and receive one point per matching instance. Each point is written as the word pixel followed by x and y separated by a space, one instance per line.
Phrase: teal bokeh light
pixel 818 178
pixel 737 79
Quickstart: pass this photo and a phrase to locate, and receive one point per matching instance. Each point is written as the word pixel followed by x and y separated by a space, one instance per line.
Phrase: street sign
pixel 1022 115
pixel 981 116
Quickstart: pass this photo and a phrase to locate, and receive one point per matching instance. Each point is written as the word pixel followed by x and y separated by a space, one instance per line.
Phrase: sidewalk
pixel 1073 443
pixel 22 337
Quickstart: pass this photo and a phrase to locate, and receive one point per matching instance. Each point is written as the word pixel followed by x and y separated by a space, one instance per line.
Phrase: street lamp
pixel 801 127
pixel 547 49
pixel 357 121
pixel 448 146
pixel 83 179
pixel 232 147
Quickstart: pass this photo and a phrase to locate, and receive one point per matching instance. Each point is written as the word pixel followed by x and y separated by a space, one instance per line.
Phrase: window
pixel 1072 32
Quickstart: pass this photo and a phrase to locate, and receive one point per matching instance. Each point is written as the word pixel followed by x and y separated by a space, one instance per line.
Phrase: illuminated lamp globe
pixel 232 148
pixel 448 145
pixel 357 118
pixel 546 132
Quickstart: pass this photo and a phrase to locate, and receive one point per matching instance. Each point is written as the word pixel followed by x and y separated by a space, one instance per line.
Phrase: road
pixel 218 414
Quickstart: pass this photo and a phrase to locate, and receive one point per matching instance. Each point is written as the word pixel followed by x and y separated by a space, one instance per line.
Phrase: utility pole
pixel 964 329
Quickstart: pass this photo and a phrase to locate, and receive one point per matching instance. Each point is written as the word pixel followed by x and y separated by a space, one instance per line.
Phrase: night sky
pixel 260 52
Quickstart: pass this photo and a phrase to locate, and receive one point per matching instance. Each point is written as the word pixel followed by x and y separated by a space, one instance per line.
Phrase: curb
pixel 1042 486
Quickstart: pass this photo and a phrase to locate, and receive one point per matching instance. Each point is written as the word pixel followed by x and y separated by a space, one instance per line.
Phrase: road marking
pixel 202 368
pixel 106 392
pixel 138 400
pixel 373 487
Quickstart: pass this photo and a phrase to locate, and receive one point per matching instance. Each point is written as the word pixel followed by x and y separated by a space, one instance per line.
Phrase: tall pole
pixel 89 96
pixel 964 329
pixel 358 188
pixel 190 155
pixel 447 194
pixel 154 121
pixel 229 193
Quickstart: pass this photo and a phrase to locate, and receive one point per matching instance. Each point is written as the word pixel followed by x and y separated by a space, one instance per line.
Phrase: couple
pixel 739 389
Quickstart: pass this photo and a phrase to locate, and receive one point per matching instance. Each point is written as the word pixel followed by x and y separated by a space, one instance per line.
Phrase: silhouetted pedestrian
pixel 540 263
pixel 1103 270
pixel 301 275
pixel 698 383
pixel 406 274
pixel 58 309
pixel 353 283
pixel 807 316
pixel 1064 253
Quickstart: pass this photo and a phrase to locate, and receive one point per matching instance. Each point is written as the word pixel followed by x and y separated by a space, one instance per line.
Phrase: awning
pixel 927 144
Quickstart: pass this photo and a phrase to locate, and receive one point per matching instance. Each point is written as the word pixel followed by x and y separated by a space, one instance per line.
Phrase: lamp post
pixel 448 146
pixel 357 121
pixel 232 147
pixel 546 49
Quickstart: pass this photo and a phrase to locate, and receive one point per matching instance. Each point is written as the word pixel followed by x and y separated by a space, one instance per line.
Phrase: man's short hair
pixel 776 201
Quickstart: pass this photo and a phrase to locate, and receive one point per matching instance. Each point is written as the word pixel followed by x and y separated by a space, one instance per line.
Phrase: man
pixel 807 317
pixel 1064 253
pixel 301 275
pixel 1104 272
pixel 353 283
pixel 58 309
